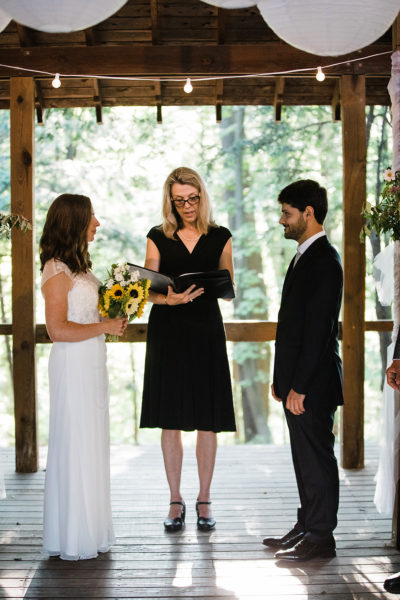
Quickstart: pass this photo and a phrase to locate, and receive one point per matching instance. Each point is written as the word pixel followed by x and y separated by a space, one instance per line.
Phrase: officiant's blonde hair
pixel 171 219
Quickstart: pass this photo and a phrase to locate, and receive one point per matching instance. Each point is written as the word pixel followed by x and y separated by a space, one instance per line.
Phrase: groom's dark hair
pixel 303 193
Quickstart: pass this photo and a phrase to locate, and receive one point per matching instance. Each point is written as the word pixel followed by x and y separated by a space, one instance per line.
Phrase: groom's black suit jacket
pixel 306 349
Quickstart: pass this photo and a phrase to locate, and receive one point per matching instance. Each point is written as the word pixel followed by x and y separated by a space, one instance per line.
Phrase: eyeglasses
pixel 180 202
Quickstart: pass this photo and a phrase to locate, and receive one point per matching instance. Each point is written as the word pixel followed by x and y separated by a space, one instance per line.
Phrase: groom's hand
pixel 295 402
pixel 393 374
pixel 275 397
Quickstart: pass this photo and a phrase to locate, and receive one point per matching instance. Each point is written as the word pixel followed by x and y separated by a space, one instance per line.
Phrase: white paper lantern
pixel 4 19
pixel 60 16
pixel 329 27
pixel 232 3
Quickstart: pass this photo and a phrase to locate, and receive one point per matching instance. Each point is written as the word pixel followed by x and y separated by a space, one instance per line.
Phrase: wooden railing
pixel 236 331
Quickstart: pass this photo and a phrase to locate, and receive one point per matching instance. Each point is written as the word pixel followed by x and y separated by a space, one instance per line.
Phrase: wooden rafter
pixel 157 89
pixel 25 35
pixel 39 103
pixel 90 36
pixel 98 100
pixel 222 14
pixel 278 97
pixel 219 92
pixel 336 109
pixel 155 31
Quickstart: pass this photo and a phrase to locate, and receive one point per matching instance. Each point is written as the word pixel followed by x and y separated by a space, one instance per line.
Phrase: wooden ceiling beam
pixel 184 61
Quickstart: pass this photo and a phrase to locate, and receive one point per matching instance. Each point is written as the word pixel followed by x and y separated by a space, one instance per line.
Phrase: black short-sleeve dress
pixel 187 383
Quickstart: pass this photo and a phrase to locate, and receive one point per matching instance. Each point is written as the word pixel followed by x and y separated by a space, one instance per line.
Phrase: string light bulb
pixel 320 74
pixel 188 86
pixel 56 83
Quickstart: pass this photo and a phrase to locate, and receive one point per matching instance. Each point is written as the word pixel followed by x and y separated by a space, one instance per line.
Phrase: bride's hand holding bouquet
pixel 123 294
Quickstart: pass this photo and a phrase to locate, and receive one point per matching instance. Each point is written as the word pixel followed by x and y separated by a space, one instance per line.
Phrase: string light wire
pixel 195 79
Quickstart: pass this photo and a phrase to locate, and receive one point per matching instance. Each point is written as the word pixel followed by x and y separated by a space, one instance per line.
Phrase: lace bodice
pixel 83 296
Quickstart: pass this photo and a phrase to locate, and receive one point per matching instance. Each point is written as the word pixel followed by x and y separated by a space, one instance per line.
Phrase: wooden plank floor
pixel 254 494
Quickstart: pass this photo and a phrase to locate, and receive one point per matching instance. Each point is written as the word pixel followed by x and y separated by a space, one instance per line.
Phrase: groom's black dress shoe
pixel 306 550
pixel 287 541
pixel 392 584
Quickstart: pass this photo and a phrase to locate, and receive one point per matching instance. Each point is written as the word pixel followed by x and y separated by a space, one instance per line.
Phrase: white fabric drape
pixel 388 470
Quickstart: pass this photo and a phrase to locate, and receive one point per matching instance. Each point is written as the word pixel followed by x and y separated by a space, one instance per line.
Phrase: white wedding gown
pixel 77 506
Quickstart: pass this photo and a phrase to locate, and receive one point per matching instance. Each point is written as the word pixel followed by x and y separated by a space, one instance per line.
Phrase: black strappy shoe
pixel 204 523
pixel 177 523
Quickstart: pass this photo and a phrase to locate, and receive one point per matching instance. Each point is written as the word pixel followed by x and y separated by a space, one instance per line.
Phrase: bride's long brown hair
pixel 64 234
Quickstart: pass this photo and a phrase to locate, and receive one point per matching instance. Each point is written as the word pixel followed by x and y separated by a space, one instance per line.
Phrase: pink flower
pixel 388 175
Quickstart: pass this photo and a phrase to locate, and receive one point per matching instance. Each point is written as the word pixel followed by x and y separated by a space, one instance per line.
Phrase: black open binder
pixel 216 284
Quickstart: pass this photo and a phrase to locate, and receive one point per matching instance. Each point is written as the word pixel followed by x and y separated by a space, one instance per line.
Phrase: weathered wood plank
pixel 181 60
pixel 22 99
pixel 254 494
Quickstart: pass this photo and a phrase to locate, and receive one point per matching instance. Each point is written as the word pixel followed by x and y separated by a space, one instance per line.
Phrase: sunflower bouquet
pixel 123 294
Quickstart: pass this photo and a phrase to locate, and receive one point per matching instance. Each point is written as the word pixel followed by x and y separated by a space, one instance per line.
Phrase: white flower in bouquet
pixel 135 276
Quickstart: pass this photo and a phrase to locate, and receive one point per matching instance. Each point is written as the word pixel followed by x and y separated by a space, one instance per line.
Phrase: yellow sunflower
pixel 116 291
pixel 132 306
pixel 141 309
pixel 135 292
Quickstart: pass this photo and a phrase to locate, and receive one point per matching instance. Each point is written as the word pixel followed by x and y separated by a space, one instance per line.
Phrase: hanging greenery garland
pixel 9 222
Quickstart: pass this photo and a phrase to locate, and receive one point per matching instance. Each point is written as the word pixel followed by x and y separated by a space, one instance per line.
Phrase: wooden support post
pixel 354 193
pixel 22 102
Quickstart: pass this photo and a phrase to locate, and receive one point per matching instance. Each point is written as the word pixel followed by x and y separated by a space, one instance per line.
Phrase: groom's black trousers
pixel 312 443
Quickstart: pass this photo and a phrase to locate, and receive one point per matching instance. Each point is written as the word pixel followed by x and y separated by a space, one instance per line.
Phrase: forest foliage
pixel 246 160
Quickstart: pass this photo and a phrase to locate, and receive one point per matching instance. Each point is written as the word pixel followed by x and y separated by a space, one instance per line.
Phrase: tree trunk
pixel 252 363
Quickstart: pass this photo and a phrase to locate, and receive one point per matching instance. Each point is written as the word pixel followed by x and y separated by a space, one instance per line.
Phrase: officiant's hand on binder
pixel 215 284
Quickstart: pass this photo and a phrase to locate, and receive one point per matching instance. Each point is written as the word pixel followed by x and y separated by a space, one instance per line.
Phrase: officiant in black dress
pixel 187 382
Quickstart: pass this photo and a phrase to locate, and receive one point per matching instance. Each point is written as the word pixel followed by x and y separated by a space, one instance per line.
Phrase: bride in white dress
pixel 77 506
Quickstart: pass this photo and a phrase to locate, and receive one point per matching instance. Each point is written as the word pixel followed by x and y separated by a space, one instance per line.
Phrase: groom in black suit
pixel 308 370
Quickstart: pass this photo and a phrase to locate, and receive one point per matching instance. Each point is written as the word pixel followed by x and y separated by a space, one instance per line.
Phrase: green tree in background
pixel 122 164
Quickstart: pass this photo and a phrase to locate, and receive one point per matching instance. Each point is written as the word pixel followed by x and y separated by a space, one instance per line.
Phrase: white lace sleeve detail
pixel 54 267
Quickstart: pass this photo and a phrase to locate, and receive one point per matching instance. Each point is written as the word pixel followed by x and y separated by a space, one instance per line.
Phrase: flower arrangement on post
pixel 123 294
pixel 384 217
